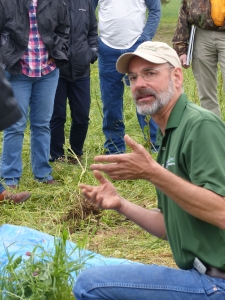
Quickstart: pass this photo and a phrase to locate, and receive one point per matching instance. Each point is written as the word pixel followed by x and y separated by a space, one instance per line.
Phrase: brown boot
pixel 16 198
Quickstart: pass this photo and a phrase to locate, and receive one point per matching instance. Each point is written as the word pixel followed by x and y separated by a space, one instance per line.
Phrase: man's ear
pixel 177 75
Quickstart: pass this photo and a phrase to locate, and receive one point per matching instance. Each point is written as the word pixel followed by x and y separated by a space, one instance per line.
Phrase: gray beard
pixel 161 99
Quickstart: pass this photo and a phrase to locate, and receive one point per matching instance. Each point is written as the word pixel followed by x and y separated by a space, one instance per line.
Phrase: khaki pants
pixel 208 51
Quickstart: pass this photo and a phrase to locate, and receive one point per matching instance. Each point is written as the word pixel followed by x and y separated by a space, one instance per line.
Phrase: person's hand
pixel 103 196
pixel 135 165
pixel 50 61
pixel 183 60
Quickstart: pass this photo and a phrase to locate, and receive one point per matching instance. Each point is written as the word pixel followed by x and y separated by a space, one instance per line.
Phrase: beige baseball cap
pixel 155 52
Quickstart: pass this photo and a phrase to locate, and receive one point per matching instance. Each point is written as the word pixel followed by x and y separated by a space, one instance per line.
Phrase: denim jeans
pixel 78 94
pixel 146 282
pixel 2 189
pixel 112 89
pixel 35 97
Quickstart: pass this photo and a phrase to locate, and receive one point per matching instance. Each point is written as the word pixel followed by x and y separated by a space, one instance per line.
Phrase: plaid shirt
pixel 35 60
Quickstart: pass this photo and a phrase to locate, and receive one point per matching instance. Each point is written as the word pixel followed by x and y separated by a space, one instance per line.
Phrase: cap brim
pixel 122 64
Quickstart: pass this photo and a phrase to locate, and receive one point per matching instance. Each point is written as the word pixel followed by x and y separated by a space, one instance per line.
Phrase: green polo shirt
pixel 193 148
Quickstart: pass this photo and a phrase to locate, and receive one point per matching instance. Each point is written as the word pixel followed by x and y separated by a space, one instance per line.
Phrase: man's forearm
pixel 153 19
pixel 182 32
pixel 199 202
pixel 150 220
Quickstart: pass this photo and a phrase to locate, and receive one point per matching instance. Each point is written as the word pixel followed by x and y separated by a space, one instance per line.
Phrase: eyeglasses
pixel 147 74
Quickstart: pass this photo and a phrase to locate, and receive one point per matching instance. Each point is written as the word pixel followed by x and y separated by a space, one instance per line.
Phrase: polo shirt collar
pixel 174 118
pixel 177 112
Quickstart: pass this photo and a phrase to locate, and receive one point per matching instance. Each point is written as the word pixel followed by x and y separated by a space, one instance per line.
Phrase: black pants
pixel 78 94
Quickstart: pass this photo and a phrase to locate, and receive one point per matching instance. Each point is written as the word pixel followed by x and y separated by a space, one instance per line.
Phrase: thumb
pixel 131 143
pixel 99 177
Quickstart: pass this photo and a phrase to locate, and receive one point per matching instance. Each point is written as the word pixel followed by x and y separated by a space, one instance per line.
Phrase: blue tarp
pixel 20 239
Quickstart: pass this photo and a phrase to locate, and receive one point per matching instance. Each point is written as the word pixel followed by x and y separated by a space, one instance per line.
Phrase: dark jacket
pixel 83 44
pixel 53 26
pixel 9 110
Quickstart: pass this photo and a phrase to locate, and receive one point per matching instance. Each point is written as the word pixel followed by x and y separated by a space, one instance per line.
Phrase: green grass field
pixel 54 208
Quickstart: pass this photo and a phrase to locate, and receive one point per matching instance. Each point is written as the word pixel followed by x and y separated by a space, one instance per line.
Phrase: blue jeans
pixel 2 189
pixel 35 97
pixel 78 94
pixel 112 89
pixel 146 282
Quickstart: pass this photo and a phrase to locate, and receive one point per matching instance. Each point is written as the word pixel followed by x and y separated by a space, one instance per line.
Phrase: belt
pixel 215 272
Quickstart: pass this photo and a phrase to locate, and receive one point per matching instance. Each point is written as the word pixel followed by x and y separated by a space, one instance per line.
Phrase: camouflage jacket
pixel 196 12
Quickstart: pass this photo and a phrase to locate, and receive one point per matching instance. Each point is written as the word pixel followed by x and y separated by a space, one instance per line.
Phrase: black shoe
pixel 74 160
pixel 51 181
pixel 51 159
pixel 69 159
pixel 59 158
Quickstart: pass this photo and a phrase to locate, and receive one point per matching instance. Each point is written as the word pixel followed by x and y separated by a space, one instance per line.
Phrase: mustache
pixel 144 92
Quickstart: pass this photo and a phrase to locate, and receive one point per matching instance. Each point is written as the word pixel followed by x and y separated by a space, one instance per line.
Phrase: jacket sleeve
pixel 95 3
pixel 182 32
pixel 93 34
pixel 1 17
pixel 154 13
pixel 63 28
pixel 9 110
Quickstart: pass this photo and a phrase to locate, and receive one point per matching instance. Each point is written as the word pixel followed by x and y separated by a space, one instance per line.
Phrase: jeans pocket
pixel 100 45
pixel 213 286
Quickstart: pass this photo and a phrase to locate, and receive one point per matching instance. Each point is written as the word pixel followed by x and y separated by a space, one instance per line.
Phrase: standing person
pixel 74 81
pixel 189 179
pixel 122 26
pixel 9 114
pixel 208 50
pixel 34 36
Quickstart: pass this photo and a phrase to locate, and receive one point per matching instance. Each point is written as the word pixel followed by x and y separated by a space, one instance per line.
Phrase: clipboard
pixel 190 45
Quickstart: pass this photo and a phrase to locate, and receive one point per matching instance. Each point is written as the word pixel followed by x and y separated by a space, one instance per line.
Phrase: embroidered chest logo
pixel 170 162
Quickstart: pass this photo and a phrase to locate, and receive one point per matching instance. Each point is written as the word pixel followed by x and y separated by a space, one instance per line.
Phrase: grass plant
pixel 43 275
pixel 54 209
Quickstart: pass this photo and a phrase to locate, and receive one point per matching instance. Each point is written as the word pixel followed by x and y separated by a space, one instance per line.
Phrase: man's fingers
pixel 84 186
pixel 131 143
pixel 104 167
pixel 99 177
pixel 108 158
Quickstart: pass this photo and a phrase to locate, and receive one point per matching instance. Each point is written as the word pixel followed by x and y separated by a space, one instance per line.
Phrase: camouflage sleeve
pixel 181 35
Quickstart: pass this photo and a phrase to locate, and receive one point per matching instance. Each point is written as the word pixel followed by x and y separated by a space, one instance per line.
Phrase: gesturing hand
pixel 135 165
pixel 103 196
